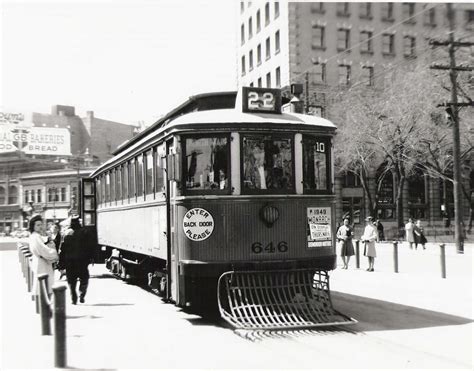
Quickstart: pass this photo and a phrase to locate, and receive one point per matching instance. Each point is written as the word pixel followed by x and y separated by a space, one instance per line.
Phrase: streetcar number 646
pixel 270 248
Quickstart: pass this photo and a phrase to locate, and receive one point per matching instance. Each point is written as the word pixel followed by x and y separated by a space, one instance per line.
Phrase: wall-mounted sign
pixel 198 224
pixel 35 141
pixel 319 227
pixel 261 100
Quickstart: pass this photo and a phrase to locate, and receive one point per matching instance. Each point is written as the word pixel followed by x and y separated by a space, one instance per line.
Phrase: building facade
pixel 43 156
pixel 327 47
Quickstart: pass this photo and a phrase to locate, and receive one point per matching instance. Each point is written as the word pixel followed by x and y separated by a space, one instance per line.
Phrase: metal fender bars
pixel 275 300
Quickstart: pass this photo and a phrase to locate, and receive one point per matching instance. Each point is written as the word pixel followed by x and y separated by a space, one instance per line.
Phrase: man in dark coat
pixel 75 257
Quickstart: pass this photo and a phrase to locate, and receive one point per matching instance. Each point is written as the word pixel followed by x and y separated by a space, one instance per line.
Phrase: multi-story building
pixel 329 46
pixel 42 157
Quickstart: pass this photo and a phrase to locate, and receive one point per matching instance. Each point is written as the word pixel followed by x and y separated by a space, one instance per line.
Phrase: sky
pixel 126 60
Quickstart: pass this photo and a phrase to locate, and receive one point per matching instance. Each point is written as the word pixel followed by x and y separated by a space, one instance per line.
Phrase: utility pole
pixel 452 44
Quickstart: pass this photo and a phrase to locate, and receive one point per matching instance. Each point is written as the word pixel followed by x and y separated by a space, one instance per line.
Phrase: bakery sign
pixel 35 141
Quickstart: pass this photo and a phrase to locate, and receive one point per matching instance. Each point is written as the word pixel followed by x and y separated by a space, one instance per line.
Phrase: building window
pixel 319 73
pixel 268 51
pixel 365 10
pixel 409 46
pixel 277 42
pixel 242 7
pixel 39 196
pixel 251 60
pixel 242 34
pixel 343 37
pixel 368 75
pixel 469 18
pixel 417 195
pixel 243 65
pixel 342 9
pixel 2 196
pixel 251 84
pixel 408 12
pixel 277 77
pixel 63 194
pixel 351 180
pixel 269 80
pixel 259 25
pixel 387 12
pixel 352 209
pixel 366 42
pixel 385 195
pixel 250 28
pixel 53 195
pixel 317 37
pixel 27 196
pixel 12 195
pixel 344 75
pixel 317 7
pixel 277 9
pixel 388 44
pixel 430 17
pixel 267 14
pixel 259 82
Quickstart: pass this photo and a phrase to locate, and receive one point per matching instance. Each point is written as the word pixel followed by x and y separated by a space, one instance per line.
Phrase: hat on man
pixel 369 219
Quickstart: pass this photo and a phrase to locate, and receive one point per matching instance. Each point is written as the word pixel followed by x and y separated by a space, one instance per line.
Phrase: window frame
pixel 184 166
pixel 327 142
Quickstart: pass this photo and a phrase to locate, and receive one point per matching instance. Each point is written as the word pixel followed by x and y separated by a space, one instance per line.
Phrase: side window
pixel 316 164
pixel 158 172
pixel 125 181
pixel 267 164
pixel 206 163
pixel 149 173
pixel 139 175
pixel 131 178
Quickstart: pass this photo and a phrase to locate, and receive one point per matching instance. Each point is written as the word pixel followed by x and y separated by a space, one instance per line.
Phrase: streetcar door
pixel 170 256
pixel 87 212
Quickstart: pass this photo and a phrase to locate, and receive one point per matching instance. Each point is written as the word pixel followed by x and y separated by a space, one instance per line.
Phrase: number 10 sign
pixel 261 100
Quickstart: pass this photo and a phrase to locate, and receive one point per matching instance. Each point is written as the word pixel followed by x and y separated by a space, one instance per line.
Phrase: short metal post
pixel 28 278
pixel 443 260
pixel 59 293
pixel 357 253
pixel 44 306
pixel 395 256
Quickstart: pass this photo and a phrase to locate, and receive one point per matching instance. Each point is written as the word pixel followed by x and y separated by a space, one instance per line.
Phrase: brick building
pixel 327 47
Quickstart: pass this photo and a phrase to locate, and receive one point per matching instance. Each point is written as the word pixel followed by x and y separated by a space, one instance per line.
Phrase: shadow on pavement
pixel 88 316
pixel 107 304
pixel 260 335
pixel 379 315
pixel 102 276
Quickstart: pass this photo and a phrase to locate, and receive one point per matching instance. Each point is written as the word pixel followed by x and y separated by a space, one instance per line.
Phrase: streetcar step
pixel 275 300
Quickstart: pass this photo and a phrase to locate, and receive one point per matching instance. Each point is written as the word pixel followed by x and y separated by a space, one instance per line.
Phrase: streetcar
pixel 228 201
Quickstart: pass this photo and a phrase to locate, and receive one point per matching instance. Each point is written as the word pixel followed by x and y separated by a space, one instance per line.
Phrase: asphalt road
pixel 413 319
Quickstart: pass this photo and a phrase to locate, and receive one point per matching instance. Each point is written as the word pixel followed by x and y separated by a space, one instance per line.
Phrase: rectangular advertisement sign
pixel 319 227
pixel 35 141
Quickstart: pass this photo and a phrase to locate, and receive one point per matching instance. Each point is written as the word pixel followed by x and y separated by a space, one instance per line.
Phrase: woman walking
pixel 419 235
pixel 344 237
pixel 369 237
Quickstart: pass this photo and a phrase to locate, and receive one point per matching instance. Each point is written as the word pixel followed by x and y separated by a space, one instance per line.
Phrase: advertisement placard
pixel 319 227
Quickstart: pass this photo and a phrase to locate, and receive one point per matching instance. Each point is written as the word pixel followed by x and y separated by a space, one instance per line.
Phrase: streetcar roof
pixel 221 116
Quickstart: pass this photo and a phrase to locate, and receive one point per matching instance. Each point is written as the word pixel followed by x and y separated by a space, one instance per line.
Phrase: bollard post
pixel 59 310
pixel 44 306
pixel 443 260
pixel 28 278
pixel 395 256
pixel 357 254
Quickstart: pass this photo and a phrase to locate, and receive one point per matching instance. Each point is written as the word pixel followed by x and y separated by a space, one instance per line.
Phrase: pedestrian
pixel 75 257
pixel 419 235
pixel 344 237
pixel 55 235
pixel 380 231
pixel 44 255
pixel 409 235
pixel 368 238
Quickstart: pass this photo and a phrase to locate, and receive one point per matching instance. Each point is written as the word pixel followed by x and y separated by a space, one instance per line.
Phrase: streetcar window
pixel 112 186
pixel 267 163
pixel 140 175
pixel 316 164
pixel 125 181
pixel 149 173
pixel 158 173
pixel 107 187
pixel 207 163
pixel 99 198
pixel 131 178
pixel 118 177
pixel 103 189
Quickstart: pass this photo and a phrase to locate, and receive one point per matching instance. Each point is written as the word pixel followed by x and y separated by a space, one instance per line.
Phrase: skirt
pixel 347 249
pixel 369 249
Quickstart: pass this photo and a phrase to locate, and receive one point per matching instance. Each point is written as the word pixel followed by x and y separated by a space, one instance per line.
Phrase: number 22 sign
pixel 261 100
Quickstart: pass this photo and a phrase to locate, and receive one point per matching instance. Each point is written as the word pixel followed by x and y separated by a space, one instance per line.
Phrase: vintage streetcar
pixel 228 200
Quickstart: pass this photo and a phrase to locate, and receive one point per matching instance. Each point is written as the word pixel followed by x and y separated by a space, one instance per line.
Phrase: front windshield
pixel 207 163
pixel 268 163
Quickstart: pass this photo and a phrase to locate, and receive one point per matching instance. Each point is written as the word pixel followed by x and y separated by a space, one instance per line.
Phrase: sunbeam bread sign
pixel 198 224
pixel 35 141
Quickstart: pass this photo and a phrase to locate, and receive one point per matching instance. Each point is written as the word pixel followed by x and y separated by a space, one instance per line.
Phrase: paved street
pixel 413 319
